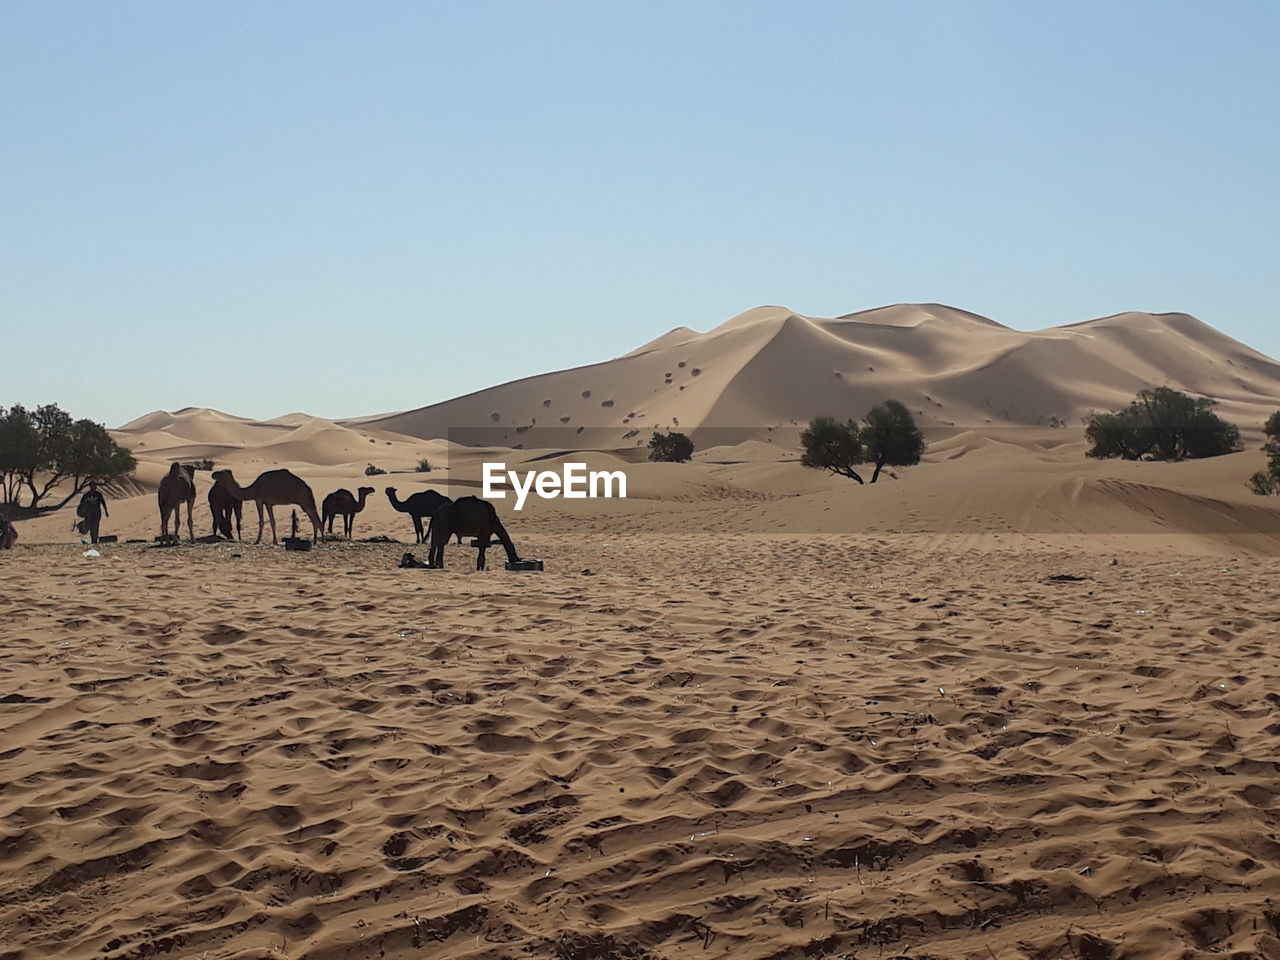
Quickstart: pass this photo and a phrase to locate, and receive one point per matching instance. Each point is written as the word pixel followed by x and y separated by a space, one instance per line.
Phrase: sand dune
pixel 771 369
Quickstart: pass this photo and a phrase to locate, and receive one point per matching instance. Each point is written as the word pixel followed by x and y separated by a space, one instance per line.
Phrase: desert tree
pixel 1267 481
pixel 833 446
pixel 670 447
pixel 890 437
pixel 1162 424
pixel 44 448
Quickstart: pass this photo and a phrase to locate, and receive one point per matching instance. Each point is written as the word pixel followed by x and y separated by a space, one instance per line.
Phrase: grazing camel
pixel 274 488
pixel 424 503
pixel 342 503
pixel 222 505
pixel 472 517
pixel 176 486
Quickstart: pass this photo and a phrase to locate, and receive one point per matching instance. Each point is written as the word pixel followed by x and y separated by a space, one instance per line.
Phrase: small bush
pixel 205 464
pixel 1267 482
pixel 670 447
pixel 373 471
pixel 424 466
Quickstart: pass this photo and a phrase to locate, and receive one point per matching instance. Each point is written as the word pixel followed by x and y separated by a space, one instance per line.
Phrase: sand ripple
pixel 770 747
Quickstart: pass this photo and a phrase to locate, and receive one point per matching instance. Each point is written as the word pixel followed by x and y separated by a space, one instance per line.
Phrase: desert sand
pixel 1009 703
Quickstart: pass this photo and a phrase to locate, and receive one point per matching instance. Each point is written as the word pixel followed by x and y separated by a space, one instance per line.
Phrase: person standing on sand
pixel 92 508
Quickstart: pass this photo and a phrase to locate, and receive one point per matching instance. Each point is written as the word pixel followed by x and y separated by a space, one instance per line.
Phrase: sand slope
pixel 772 369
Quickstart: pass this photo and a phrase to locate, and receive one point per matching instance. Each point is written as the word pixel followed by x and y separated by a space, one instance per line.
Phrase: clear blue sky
pixel 359 207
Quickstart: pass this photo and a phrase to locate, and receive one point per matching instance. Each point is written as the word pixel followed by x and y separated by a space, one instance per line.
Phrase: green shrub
pixel 670 447
pixel 1162 424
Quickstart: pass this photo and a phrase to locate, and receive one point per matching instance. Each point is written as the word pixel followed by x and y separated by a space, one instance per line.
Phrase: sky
pixel 352 208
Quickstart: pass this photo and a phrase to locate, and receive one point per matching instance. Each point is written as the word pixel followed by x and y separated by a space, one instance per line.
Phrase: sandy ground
pixel 725 747
pixel 1009 703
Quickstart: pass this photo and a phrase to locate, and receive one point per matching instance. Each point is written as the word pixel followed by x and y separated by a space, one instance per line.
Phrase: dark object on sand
pixel 1064 578
pixel 223 507
pixel 293 541
pixel 177 487
pixel 469 517
pixel 91 509
pixel 273 488
pixel 422 504
pixel 410 562
pixel 342 504
pixel 108 538
pixel 523 563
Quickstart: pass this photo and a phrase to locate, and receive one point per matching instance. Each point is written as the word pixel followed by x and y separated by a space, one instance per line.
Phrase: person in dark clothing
pixel 92 508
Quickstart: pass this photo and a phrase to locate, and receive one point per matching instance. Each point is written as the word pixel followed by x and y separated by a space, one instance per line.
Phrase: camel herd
pixel 445 518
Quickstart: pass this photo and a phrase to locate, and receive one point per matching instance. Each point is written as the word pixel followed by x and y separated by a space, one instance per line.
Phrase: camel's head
pixel 365 492
pixel 391 491
pixel 222 476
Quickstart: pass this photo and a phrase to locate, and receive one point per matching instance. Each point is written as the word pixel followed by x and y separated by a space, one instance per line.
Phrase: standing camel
pixel 424 503
pixel 222 505
pixel 274 488
pixel 342 503
pixel 472 517
pixel 177 486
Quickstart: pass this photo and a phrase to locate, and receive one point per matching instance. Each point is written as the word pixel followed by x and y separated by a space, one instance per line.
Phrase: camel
pixel 472 517
pixel 424 503
pixel 342 503
pixel 274 488
pixel 176 486
pixel 222 505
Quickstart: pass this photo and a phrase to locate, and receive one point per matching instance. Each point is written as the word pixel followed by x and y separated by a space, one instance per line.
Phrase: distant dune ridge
pixel 773 368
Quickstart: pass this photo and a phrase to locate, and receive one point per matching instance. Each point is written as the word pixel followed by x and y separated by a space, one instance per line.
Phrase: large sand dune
pixel 771 369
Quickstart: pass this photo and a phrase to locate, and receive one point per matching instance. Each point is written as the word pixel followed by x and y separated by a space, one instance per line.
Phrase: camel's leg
pixel 261 520
pixel 348 521
pixel 480 558
pixel 164 524
pixel 417 530
pixel 315 523
pixel 501 533
pixel 238 507
pixel 271 515
pixel 191 528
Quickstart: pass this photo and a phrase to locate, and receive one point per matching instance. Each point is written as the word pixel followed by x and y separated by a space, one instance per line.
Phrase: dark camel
pixel 341 503
pixel 274 488
pixel 223 506
pixel 472 517
pixel 177 486
pixel 424 503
